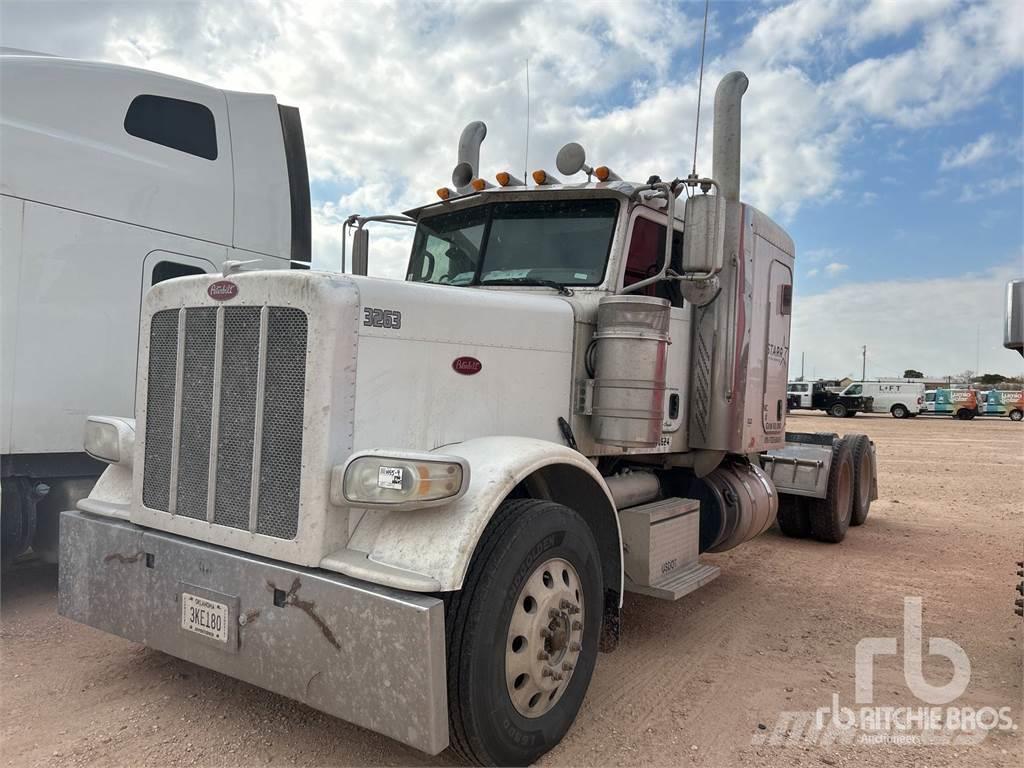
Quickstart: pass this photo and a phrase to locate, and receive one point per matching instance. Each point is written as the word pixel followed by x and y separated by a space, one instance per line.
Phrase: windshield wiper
pixel 529 281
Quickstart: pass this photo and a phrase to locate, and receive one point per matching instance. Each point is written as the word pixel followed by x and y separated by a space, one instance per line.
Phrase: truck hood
pixel 470 316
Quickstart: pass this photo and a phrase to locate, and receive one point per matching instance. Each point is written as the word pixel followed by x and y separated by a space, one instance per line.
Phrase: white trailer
pixel 114 179
pixel 416 505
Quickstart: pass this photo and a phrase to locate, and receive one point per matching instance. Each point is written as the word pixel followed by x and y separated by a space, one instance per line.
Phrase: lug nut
pixel 543 656
pixel 546 672
pixel 566 666
pixel 553 613
pixel 557 676
pixel 577 624
pixel 575 647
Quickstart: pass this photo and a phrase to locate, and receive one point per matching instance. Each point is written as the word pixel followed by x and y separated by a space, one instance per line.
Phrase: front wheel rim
pixel 545 637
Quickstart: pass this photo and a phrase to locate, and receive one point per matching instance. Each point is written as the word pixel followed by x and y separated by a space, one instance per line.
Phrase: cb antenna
pixel 700 87
pixel 526 151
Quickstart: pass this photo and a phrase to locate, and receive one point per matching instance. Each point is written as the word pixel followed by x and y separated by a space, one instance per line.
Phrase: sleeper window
pixel 182 125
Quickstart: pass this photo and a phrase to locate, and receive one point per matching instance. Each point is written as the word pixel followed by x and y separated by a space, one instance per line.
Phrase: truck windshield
pixel 563 242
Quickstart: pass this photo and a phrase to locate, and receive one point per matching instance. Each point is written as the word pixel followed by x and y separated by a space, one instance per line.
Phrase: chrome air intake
pixel 631 351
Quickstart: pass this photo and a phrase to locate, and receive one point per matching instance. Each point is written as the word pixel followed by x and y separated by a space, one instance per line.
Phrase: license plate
pixel 204 617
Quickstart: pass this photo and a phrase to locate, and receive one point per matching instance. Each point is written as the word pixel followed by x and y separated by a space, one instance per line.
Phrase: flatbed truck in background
pixel 820 396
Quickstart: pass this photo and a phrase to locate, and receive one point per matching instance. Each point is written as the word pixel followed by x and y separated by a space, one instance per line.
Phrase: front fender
pixel 440 542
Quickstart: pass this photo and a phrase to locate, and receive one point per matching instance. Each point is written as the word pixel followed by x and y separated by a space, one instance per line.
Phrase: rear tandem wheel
pixel 830 516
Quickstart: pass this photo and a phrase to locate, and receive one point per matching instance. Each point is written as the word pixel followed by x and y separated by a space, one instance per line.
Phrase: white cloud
pixel 932 325
pixel 959 59
pixel 984 147
pixel 835 267
pixel 812 272
pixel 794 31
pixel 972 193
pixel 819 254
pixel 882 18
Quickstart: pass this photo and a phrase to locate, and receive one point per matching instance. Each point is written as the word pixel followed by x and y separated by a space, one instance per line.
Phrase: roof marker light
pixel 479 185
pixel 506 179
pixel 542 177
pixel 444 193
pixel 604 173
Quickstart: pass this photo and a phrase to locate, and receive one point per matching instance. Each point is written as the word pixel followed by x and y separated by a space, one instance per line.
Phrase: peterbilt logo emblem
pixel 467 366
pixel 222 290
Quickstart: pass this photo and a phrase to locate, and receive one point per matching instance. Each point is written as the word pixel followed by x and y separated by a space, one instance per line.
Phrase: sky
pixel 886 136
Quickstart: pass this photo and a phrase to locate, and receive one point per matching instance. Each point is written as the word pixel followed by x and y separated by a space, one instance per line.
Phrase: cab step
pixel 661 544
pixel 677 584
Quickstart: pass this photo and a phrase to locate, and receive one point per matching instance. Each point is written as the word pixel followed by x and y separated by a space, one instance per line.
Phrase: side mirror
pixel 360 251
pixel 704 235
pixel 1013 333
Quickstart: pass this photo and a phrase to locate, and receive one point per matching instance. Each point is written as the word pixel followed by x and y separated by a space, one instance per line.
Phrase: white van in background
pixel 900 398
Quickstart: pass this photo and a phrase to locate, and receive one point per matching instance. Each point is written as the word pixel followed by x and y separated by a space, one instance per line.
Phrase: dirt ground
pixel 700 682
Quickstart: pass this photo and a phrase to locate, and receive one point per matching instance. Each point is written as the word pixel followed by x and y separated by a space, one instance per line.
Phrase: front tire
pixel 899 411
pixel 522 634
pixel 838 410
pixel 1016 415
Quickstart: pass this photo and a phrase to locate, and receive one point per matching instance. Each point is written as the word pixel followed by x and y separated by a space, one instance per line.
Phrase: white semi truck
pixel 113 179
pixel 416 505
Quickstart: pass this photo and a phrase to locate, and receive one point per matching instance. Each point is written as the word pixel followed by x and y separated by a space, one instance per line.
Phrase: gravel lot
pixel 691 681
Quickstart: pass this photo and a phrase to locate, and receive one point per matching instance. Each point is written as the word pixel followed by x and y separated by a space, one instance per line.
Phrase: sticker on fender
pixel 204 617
pixel 389 478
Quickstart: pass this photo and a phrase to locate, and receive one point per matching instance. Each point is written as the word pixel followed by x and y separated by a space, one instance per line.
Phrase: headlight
pixel 110 439
pixel 402 480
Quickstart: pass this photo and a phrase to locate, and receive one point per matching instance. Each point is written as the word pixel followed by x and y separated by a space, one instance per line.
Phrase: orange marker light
pixel 478 184
pixel 539 177
pixel 444 193
pixel 503 177
pixel 603 172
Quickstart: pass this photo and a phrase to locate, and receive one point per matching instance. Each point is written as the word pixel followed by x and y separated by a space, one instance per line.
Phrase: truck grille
pixel 224 412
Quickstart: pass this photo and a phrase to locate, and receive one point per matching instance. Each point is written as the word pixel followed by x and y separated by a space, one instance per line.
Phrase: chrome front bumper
pixel 367 654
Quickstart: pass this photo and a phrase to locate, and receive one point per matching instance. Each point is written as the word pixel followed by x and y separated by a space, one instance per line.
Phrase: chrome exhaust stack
pixel 468 167
pixel 726 153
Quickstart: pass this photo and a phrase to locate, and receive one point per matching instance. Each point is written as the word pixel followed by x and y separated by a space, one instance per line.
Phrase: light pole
pixel 864 362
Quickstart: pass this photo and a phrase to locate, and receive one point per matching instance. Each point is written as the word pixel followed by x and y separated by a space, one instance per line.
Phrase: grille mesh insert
pixel 284 379
pixel 281 452
pixel 237 425
pixel 196 408
pixel 163 355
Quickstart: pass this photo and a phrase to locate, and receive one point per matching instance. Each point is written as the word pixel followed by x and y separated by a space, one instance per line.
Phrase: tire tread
pixel 825 524
pixel 861 507
pixel 461 623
